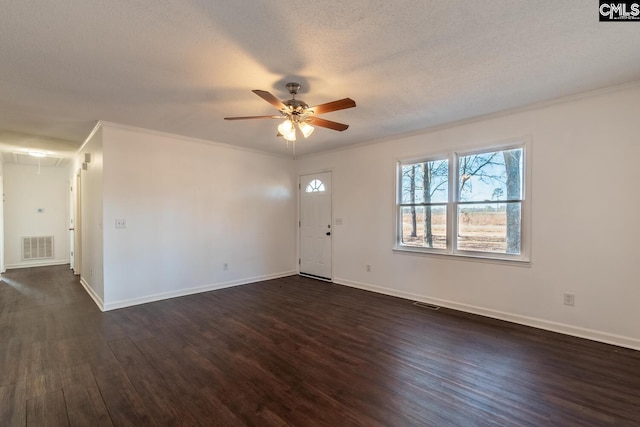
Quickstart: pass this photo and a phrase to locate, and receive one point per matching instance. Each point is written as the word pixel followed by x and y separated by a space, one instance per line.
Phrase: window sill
pixel 402 250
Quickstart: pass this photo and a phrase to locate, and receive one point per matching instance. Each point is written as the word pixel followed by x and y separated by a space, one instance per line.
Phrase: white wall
pixel 26 191
pixel 585 229
pixel 91 228
pixel 190 207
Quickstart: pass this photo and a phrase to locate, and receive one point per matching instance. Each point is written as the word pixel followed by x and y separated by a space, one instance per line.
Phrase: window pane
pixel 424 226
pixel 425 182
pixel 492 176
pixel 490 227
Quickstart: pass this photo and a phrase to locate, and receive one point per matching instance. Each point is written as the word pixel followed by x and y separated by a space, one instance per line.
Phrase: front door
pixel 315 225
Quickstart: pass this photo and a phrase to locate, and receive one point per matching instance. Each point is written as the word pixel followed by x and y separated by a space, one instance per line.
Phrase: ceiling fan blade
pixel 340 104
pixel 253 117
pixel 317 121
pixel 271 99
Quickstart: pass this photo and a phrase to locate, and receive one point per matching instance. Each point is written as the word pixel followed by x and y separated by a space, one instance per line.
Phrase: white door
pixel 77 233
pixel 2 226
pixel 72 214
pixel 315 225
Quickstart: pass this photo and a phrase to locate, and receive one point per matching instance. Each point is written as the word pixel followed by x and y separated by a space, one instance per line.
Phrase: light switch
pixel 121 223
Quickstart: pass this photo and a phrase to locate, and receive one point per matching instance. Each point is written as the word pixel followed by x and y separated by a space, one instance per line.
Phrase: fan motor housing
pixel 296 105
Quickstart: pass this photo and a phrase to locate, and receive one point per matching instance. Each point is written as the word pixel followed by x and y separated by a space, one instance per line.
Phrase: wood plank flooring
pixel 292 351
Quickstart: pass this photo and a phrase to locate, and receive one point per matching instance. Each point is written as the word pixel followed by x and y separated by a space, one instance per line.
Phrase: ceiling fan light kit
pixel 287 130
pixel 296 113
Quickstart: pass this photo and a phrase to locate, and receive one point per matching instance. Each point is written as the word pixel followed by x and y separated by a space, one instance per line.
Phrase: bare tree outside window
pixel 513 166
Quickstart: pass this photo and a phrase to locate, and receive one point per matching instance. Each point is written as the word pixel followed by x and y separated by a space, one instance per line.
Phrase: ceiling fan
pixel 296 112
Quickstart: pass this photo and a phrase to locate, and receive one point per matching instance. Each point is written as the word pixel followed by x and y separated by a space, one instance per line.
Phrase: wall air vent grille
pixel 38 247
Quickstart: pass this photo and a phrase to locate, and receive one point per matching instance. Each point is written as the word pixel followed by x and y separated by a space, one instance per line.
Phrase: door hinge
pixel 299 223
pixel 299 262
pixel 299 186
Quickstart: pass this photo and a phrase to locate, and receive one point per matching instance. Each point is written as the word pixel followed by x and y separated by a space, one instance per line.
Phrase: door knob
pixel 328 233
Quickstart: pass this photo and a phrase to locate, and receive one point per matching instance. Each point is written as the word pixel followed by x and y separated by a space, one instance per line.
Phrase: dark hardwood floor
pixel 292 351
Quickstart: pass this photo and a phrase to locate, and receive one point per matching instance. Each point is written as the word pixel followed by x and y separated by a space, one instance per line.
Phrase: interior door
pixel 2 269
pixel 72 215
pixel 315 225
pixel 77 233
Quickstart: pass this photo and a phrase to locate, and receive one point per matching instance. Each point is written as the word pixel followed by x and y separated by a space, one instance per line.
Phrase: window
pixel 314 186
pixel 465 203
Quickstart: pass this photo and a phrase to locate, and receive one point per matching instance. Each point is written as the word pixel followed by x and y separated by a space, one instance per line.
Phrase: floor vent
pixel 39 247
pixel 425 305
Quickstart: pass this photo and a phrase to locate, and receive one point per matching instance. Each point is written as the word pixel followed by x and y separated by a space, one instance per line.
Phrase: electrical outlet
pixel 225 266
pixel 368 268
pixel 569 299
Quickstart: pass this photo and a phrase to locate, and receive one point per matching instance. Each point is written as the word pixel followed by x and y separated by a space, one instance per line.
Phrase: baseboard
pixel 37 264
pixel 562 328
pixel 95 297
pixel 190 291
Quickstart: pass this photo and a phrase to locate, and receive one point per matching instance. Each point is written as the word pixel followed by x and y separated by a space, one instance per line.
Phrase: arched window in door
pixel 314 186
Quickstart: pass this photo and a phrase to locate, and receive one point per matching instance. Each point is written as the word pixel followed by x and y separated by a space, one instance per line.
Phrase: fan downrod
pixel 293 88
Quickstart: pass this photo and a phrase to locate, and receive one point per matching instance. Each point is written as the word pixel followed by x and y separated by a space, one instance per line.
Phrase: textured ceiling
pixel 180 66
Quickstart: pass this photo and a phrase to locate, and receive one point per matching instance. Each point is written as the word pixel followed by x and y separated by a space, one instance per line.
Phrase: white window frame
pixel 453 157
